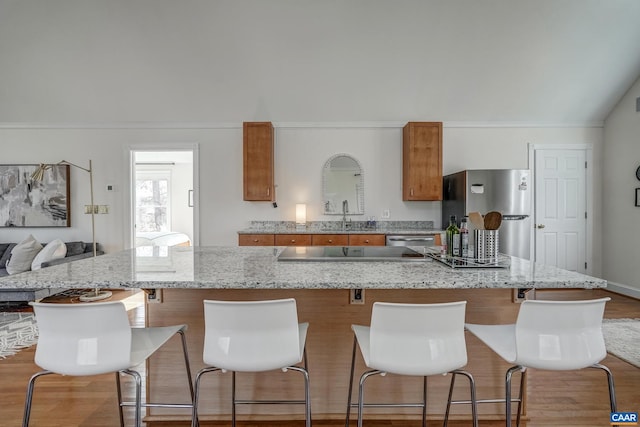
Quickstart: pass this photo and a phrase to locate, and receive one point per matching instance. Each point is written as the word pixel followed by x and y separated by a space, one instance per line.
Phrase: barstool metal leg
pixel 507 389
pixel 424 401
pixel 472 391
pixel 307 393
pixel 353 361
pixel 523 375
pixel 612 391
pixel 187 364
pixel 196 394
pixel 363 378
pixel 446 413
pixel 138 380
pixel 119 392
pixel 233 399
pixel 29 398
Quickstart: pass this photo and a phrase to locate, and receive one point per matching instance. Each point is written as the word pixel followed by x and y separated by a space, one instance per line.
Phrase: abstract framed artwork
pixel 25 202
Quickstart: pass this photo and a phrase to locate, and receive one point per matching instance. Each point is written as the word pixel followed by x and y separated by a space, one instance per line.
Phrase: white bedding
pixel 162 238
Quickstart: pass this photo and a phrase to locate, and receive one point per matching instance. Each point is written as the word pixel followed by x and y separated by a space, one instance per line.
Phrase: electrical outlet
pixel 154 296
pixel 521 294
pixel 356 296
pixel 385 214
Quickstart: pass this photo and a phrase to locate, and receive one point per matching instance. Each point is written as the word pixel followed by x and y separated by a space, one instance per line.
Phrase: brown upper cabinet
pixel 422 161
pixel 258 161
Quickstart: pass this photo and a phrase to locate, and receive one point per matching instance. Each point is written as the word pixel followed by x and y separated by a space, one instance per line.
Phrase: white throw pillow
pixel 22 255
pixel 54 250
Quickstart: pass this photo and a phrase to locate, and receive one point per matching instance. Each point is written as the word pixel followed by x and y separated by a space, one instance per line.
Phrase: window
pixel 153 212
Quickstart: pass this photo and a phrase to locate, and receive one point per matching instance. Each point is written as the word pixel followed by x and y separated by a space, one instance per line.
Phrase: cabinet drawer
pixel 330 240
pixel 256 240
pixel 366 240
pixel 293 239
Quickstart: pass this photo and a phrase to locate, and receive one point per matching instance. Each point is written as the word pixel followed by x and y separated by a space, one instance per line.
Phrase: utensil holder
pixel 486 245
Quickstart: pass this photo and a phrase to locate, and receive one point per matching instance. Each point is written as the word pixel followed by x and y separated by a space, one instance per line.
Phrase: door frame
pixel 128 194
pixel 588 149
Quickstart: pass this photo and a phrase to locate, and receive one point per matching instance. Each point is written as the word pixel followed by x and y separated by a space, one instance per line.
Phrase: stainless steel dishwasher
pixel 410 240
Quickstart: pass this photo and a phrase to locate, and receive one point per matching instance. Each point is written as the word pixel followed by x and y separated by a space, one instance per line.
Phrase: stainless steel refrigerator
pixel 507 191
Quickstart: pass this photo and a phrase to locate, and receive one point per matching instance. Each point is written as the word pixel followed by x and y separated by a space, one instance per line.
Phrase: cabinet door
pixel 366 240
pixel 255 240
pixel 258 161
pixel 330 240
pixel 422 161
pixel 293 239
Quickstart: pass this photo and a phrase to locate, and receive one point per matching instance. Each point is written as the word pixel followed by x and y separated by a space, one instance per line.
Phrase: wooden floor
pixel 555 398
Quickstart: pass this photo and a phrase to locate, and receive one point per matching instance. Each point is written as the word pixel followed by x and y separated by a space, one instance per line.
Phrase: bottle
pixel 453 237
pixel 464 238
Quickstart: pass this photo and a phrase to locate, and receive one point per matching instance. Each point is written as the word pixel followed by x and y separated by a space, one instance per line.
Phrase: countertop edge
pixel 363 231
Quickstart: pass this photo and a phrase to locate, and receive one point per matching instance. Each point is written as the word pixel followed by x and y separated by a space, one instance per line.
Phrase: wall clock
pixel 638 173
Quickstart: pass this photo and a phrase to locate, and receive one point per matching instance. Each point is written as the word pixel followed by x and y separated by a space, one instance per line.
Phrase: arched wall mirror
pixel 342 186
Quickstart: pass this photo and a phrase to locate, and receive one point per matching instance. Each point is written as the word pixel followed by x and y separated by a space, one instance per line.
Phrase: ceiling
pixel 513 61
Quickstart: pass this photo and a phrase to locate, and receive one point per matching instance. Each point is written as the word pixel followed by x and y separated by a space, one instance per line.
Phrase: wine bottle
pixel 464 238
pixel 453 237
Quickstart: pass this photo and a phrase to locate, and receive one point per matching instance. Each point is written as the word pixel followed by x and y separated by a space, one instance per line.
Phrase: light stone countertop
pixel 335 227
pixel 253 267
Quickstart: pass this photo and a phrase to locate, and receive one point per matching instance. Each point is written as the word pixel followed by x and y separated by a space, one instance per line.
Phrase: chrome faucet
pixel 345 208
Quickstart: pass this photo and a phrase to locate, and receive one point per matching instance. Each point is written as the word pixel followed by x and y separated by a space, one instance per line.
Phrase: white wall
pixel 300 154
pixel 621 219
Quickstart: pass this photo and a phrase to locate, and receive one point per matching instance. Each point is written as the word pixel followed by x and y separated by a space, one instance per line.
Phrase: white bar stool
pixel 551 335
pixel 411 339
pixel 94 339
pixel 253 336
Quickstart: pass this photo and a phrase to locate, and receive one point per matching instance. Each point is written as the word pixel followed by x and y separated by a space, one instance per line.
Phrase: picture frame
pixel 25 202
pixel 638 197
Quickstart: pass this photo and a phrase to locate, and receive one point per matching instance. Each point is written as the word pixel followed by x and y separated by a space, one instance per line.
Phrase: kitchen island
pixel 218 267
pixel 184 276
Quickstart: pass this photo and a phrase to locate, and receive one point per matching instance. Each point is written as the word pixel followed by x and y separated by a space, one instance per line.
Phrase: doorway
pixel 163 197
pixel 562 206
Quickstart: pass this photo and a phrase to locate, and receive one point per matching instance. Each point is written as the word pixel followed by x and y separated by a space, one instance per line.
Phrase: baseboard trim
pixel 627 290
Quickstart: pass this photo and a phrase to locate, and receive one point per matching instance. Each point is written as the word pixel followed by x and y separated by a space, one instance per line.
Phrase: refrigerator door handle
pixel 514 217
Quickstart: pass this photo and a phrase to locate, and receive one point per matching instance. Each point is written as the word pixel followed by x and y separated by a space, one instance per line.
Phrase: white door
pixel 561 208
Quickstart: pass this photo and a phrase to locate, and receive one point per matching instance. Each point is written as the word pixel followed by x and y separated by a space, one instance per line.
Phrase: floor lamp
pixel 38 175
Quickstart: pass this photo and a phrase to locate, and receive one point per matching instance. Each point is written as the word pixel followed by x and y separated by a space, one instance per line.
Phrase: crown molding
pixel 286 125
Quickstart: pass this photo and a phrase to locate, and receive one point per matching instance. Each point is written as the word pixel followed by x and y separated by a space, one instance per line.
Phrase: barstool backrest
pixel 251 336
pixel 418 339
pixel 560 335
pixel 82 339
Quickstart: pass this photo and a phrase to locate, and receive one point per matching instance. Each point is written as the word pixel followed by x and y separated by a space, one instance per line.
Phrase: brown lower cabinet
pixel 367 240
pixel 256 240
pixel 293 239
pixel 330 240
pixel 311 239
